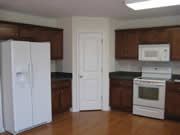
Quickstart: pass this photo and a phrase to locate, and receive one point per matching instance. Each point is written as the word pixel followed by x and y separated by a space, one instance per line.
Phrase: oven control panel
pixel 150 82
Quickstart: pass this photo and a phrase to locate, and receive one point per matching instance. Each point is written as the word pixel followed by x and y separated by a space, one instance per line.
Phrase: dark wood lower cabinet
pixel 121 94
pixel 172 108
pixel 61 96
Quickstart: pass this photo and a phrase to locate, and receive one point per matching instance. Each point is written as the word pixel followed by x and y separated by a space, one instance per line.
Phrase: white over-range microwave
pixel 154 52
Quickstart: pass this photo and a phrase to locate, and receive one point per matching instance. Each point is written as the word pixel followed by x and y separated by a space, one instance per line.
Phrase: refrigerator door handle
pixel 29 75
pixel 32 75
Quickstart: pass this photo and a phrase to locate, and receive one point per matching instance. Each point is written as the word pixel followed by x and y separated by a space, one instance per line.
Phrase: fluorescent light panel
pixel 148 4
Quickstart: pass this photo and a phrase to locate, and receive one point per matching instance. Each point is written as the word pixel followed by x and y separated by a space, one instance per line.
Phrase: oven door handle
pixel 149 85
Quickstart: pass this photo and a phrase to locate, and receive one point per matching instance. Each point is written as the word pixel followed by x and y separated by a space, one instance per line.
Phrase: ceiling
pixel 95 8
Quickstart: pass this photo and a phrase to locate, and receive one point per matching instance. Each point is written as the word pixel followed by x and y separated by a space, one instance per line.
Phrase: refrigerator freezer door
pixel 22 96
pixel 22 76
pixel 41 88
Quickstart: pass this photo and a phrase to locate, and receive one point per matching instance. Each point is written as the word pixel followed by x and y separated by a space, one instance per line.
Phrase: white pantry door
pixel 90 72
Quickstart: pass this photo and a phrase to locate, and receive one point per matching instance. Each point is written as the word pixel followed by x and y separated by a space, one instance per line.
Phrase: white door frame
pixel 78 68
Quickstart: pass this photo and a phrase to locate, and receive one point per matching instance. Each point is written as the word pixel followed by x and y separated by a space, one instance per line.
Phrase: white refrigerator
pixel 26 85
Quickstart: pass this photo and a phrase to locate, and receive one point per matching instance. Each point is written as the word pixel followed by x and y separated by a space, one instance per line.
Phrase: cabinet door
pixel 56 100
pixel 154 36
pixel 69 93
pixel 8 31
pixel 44 34
pixel 29 33
pixel 119 44
pixel 132 44
pixel 173 101
pixel 121 94
pixel 64 99
pixel 175 43
pixel 126 99
pixel 115 95
pixel 126 44
pixel 41 34
pixel 56 44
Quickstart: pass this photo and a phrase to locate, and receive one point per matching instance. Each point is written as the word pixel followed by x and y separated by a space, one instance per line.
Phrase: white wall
pixel 28 19
pixel 89 24
pixel 23 18
pixel 134 65
pixel 66 24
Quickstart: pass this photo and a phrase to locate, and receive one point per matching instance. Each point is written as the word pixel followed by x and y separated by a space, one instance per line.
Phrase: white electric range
pixel 149 92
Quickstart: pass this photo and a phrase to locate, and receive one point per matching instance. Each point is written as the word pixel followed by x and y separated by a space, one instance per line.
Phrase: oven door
pixel 149 95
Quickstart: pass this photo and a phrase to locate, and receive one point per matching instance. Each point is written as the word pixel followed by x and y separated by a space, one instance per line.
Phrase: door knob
pixel 81 76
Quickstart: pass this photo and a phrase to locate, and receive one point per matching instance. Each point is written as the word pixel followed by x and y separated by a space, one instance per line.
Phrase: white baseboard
pixel 107 108
pixel 74 110
pixel 77 110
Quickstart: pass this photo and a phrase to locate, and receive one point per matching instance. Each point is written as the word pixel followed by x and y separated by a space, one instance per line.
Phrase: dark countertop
pixel 131 75
pixel 174 77
pixel 124 75
pixel 60 76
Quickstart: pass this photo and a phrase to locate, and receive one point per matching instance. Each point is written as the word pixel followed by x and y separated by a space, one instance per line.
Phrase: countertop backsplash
pixel 128 65
pixel 56 65
pixel 135 66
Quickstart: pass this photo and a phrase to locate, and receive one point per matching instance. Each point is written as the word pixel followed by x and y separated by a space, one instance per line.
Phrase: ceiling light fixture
pixel 148 4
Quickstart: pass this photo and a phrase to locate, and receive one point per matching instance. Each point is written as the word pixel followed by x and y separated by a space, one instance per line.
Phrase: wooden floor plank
pixel 105 123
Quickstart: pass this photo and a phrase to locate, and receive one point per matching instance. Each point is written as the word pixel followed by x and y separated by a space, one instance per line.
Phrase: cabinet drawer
pixel 122 83
pixel 61 84
pixel 174 87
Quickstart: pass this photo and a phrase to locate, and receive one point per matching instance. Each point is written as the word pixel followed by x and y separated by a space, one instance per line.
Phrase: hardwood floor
pixel 105 123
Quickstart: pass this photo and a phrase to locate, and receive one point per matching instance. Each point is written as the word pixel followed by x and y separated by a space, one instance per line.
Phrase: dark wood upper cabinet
pixel 154 36
pixel 8 31
pixel 27 32
pixel 126 44
pixel 175 43
pixel 55 37
pixel 121 94
pixel 57 45
pixel 172 108
pixel 127 41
